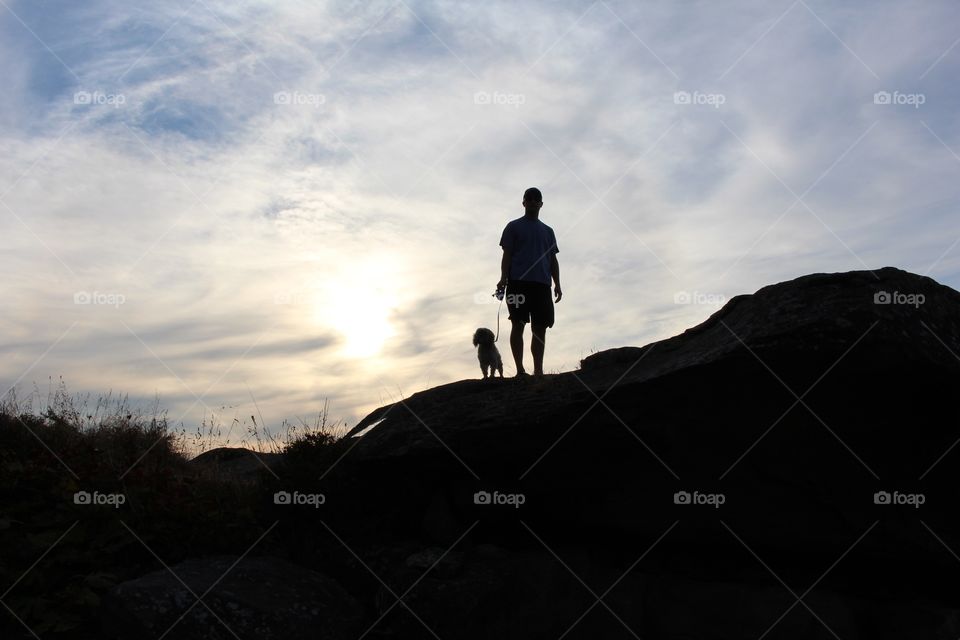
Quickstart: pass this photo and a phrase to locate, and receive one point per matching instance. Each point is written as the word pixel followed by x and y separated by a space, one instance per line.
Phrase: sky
pixel 251 207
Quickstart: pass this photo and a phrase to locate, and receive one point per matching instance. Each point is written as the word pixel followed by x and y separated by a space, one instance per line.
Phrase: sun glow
pixel 358 305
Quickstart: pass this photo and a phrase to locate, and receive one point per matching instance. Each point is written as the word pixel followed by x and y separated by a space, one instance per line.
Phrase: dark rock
pixel 807 321
pixel 497 593
pixel 464 599
pixel 440 522
pixel 684 608
pixel 445 564
pixel 258 597
pixel 795 404
pixel 236 463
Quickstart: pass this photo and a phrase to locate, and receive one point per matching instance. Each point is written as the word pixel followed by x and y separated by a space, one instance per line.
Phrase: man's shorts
pixel 530 301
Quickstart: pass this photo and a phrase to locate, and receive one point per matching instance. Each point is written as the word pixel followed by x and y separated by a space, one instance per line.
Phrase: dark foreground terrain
pixel 786 469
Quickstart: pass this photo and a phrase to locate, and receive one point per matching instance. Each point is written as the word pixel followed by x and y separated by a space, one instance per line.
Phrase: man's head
pixel 532 200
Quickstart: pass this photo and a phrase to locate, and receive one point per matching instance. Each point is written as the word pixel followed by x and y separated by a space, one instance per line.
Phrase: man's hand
pixel 558 293
pixel 501 287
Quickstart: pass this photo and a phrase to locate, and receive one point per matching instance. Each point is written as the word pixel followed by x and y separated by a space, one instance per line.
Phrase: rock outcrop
pixel 810 422
pixel 229 597
pixel 235 463
pixel 785 469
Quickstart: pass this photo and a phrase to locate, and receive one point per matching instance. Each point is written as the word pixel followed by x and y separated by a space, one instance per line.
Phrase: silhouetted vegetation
pixel 91 496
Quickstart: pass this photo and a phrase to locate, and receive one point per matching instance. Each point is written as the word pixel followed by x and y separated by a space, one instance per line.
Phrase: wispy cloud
pixel 260 191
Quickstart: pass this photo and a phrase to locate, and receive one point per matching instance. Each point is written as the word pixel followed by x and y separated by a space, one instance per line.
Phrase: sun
pixel 358 308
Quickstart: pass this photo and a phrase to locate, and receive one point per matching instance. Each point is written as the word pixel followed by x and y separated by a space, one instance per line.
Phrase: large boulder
pixel 498 593
pixel 236 463
pixel 801 435
pixel 254 597
pixel 803 326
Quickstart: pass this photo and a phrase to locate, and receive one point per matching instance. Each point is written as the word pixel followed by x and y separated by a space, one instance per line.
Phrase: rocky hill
pixel 785 469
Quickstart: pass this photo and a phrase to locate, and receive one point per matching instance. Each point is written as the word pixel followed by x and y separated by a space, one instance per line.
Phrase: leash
pixel 499 306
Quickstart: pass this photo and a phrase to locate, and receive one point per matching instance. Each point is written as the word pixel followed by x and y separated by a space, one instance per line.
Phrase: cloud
pixel 277 174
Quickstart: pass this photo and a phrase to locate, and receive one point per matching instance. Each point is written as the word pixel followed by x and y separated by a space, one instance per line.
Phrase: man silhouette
pixel 529 263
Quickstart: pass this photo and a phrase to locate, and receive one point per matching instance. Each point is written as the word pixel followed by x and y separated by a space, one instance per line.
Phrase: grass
pixel 58 558
pixel 254 435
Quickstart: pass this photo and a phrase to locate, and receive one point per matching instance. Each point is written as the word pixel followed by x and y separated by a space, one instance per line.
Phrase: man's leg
pixel 538 342
pixel 516 344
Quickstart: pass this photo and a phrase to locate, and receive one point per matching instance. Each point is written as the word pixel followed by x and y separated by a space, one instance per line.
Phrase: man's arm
pixel 504 268
pixel 555 274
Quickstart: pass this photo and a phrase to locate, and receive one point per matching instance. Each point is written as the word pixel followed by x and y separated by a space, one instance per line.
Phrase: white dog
pixel 487 353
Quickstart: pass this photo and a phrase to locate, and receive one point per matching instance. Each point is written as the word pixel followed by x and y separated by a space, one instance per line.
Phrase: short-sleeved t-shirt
pixel 531 244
